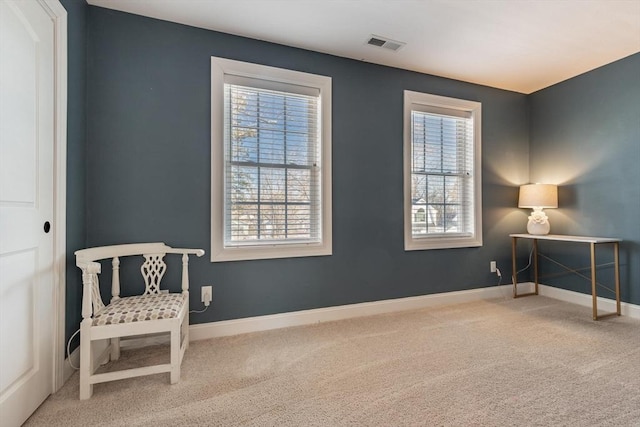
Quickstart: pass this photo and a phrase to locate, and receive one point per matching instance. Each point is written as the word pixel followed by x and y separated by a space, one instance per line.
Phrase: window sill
pixel 420 244
pixel 247 253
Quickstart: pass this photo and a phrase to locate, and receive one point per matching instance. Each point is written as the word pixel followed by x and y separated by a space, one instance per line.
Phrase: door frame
pixel 58 15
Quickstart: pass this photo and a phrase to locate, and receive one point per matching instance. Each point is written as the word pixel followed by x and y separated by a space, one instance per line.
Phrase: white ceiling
pixel 519 45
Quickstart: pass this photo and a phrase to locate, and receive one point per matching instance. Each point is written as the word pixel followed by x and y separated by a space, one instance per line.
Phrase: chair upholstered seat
pixel 140 308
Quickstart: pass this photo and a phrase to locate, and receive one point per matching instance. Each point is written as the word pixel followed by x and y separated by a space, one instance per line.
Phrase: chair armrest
pixel 184 251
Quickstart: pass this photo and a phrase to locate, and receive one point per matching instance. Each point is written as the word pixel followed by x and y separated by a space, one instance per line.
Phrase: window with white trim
pixel 271 162
pixel 442 173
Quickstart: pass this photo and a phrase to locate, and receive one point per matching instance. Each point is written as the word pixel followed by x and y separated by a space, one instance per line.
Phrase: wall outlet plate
pixel 492 266
pixel 206 295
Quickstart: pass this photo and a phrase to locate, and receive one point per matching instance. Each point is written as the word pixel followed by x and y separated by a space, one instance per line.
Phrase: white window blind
pixel 442 173
pixel 272 166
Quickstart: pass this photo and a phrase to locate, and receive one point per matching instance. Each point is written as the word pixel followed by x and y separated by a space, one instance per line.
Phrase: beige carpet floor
pixel 525 362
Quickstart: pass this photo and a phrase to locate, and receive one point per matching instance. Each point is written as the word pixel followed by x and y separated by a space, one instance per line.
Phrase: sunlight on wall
pixel 509 170
pixel 513 218
pixel 562 219
pixel 561 168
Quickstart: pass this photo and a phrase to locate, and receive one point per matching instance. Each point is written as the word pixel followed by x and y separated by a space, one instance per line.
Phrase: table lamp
pixel 537 197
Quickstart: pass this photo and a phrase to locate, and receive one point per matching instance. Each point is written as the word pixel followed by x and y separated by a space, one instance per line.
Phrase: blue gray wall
pixel 585 137
pixel 148 170
pixel 139 168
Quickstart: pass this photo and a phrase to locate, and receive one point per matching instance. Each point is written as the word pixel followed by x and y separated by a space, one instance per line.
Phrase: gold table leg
pixel 514 277
pixel 535 265
pixel 513 266
pixel 594 296
pixel 616 263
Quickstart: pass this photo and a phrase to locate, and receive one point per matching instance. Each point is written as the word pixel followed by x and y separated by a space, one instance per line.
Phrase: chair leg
pixel 175 354
pixel 115 348
pixel 86 389
pixel 185 331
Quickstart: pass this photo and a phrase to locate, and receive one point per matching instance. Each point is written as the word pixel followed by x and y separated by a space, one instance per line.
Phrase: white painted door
pixel 26 204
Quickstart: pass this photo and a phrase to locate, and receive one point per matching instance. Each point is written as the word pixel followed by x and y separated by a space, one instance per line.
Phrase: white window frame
pixel 417 101
pixel 223 70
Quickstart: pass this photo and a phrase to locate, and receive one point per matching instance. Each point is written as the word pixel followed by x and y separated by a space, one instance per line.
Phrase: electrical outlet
pixel 492 266
pixel 207 295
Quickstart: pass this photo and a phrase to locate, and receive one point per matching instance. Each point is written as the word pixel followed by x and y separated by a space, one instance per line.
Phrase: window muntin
pixel 271 162
pixel 442 174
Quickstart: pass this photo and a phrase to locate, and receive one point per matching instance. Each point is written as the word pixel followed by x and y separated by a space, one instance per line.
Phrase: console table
pixel 592 241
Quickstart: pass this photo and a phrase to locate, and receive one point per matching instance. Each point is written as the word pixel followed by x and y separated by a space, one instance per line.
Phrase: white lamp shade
pixel 538 196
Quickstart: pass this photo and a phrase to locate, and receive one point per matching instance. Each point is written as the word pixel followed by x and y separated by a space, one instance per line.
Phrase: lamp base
pixel 539 228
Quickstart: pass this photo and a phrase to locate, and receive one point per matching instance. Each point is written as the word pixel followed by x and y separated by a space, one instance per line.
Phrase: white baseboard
pixel 306 317
pixel 604 304
pixel 523 287
pixel 223 328
pixel 328 314
pixel 74 357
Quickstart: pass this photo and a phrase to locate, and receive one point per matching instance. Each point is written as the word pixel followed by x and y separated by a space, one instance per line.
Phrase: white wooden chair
pixel 153 312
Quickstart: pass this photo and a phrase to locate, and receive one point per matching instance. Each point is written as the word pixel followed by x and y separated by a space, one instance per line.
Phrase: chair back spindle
pixel 115 279
pixel 185 273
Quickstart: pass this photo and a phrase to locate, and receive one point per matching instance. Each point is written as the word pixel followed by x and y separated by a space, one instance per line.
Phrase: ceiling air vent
pixel 385 43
